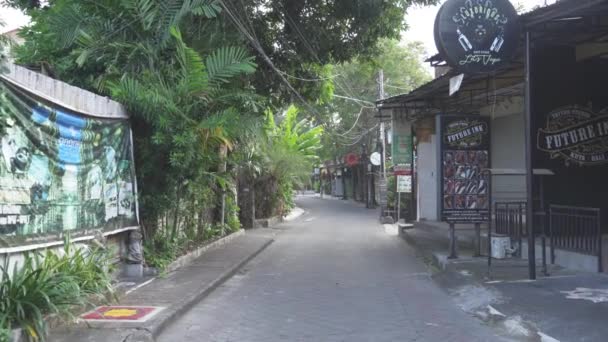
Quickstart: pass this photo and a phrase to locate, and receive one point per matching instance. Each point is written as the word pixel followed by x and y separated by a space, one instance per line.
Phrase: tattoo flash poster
pixel 465 154
pixel 61 171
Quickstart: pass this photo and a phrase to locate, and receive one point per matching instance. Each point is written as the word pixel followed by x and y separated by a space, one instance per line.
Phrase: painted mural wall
pixel 61 171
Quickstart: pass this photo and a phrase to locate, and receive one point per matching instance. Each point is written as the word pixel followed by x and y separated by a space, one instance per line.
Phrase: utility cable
pixel 256 45
pixel 362 136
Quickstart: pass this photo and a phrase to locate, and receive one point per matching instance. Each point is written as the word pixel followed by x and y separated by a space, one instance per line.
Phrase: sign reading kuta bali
pixel 476 36
pixel 61 171
pixel 577 135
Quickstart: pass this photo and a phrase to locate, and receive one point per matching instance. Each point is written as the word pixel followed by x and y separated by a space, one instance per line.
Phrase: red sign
pixel 351 159
pixel 402 172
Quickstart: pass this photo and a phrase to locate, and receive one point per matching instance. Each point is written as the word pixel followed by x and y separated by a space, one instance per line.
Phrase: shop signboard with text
pixel 465 155
pixel 477 36
pixel 402 143
pixel 404 183
pixel 578 135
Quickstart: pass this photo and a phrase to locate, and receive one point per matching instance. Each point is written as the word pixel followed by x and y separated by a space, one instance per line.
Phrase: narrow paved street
pixel 332 275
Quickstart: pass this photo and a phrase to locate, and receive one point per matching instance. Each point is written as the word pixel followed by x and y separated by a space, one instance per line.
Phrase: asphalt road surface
pixel 334 274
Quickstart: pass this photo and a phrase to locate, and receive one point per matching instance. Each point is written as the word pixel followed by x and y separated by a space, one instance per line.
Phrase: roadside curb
pixel 189 257
pixel 463 239
pixel 294 214
pixel 428 256
pixel 267 222
pixel 156 327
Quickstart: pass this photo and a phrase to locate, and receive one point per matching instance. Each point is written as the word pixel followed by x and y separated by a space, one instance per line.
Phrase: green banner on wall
pixel 61 171
pixel 402 145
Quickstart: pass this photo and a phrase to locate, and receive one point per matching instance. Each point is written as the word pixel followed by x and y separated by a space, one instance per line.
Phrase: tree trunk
pixel 176 217
pixel 246 195
pixel 223 153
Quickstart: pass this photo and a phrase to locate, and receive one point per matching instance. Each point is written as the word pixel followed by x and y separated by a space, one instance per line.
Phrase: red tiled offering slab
pixel 122 313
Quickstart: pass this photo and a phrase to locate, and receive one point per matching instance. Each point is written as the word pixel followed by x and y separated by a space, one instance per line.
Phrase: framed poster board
pixel 464 154
pixel 404 184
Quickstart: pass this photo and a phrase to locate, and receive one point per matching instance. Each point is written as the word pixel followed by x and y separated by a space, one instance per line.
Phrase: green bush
pixel 51 284
pixel 232 215
pixel 32 292
pixel 91 267
pixel 286 191
pixel 161 250
pixel 5 328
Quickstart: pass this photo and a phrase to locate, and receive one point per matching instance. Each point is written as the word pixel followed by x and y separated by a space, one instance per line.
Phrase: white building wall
pixel 507 152
pixel 508 149
pixel 338 187
pixel 427 180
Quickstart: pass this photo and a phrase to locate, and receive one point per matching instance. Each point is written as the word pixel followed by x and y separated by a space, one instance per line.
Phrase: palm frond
pixel 67 24
pixel 192 67
pixel 207 8
pixel 146 11
pixel 228 62
pixel 152 101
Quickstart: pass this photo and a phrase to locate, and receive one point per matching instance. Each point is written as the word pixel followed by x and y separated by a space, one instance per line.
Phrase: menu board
pixel 465 155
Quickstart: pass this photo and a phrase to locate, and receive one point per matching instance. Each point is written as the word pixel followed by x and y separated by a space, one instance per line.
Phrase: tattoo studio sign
pixel 477 35
pixel 466 134
pixel 577 135
pixel 465 154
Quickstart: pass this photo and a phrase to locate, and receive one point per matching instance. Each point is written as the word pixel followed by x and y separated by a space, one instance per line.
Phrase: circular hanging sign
pixel 351 159
pixel 476 36
pixel 376 159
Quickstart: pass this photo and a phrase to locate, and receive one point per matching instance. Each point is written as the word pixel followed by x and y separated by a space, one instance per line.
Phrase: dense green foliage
pixel 352 123
pixel 51 284
pixel 286 156
pixel 293 40
pixel 300 37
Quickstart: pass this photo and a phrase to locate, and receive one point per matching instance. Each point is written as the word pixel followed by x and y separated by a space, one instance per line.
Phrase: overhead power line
pixel 355 100
pixel 258 47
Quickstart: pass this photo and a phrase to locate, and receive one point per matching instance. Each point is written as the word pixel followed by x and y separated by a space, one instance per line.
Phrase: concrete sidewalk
pixel 175 293
pixel 564 305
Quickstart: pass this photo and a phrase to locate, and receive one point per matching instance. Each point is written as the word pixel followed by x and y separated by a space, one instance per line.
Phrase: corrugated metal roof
pixel 65 95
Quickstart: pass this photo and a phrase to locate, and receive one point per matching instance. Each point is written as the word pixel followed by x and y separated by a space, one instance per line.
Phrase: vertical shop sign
pixel 465 154
pixel 402 143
